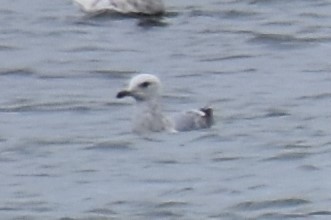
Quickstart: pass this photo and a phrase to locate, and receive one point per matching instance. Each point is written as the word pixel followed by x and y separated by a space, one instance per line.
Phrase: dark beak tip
pixel 122 94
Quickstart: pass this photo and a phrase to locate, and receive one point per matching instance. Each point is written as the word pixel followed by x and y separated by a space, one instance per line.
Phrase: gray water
pixel 66 147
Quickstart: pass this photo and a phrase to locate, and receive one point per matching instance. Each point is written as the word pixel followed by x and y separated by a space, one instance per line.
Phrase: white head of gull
pixel 146 90
pixel 145 7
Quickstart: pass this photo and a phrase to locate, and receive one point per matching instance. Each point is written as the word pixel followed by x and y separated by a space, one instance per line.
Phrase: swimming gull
pixel 146 7
pixel 146 90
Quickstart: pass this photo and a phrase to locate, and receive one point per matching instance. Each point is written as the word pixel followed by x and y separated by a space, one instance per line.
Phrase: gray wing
pixel 194 119
pixel 122 6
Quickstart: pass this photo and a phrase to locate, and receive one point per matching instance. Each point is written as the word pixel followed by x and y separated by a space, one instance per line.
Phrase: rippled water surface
pixel 66 147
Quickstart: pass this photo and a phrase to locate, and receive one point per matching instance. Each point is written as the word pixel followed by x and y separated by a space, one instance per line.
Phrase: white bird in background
pixel 146 89
pixel 145 7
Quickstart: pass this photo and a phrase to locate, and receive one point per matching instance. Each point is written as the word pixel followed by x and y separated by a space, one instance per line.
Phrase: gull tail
pixel 208 116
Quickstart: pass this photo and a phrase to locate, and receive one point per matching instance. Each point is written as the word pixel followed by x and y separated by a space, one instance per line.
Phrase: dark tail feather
pixel 209 115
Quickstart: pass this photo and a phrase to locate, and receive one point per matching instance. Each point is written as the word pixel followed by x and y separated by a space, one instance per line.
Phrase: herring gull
pixel 146 7
pixel 146 90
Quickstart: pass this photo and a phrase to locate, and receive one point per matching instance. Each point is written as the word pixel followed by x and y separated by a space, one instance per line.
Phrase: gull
pixel 148 117
pixel 144 7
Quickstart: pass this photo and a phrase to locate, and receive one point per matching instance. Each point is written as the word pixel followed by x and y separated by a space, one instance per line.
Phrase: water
pixel 66 150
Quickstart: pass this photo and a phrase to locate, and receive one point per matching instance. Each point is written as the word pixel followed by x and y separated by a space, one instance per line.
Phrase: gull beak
pixel 123 94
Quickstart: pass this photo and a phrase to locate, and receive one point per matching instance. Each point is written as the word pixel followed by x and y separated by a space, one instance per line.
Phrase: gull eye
pixel 144 84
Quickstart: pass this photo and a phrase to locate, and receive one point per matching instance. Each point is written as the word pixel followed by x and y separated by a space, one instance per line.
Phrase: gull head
pixel 143 87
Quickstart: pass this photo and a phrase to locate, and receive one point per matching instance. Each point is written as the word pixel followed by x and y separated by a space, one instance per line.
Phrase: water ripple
pixel 278 203
pixel 274 216
pixel 111 145
pixel 290 156
pixel 7 48
pixel 102 211
pixel 226 159
pixel 29 106
pixel 320 96
pixel 319 213
pixel 17 72
pixel 276 112
pixel 284 41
